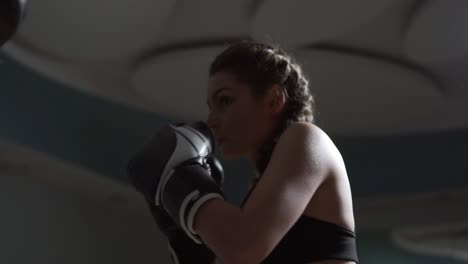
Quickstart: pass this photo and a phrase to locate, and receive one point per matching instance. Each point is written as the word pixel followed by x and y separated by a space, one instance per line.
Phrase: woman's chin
pixel 228 155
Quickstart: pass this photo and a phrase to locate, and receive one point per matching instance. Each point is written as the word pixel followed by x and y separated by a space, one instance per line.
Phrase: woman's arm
pixel 297 168
pixel 220 225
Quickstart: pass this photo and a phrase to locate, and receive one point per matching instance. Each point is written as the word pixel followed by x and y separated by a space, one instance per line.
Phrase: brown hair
pixel 260 66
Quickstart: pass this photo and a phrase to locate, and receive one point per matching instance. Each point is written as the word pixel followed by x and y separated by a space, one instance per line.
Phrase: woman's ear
pixel 277 99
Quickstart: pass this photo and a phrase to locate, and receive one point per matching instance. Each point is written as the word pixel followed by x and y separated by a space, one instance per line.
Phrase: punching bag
pixel 11 15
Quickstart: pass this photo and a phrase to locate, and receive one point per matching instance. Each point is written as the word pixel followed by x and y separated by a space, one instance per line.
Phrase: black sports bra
pixel 312 239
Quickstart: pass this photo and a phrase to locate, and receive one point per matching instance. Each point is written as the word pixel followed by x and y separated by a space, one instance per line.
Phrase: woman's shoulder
pixel 307 126
pixel 310 131
pixel 315 137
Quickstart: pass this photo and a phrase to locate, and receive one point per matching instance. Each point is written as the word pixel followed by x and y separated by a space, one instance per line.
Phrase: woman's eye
pixel 224 100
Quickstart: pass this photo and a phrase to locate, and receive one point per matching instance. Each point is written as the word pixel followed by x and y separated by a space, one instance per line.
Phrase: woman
pixel 300 207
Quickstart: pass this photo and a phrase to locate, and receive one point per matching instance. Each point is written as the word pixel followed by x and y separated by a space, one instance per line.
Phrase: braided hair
pixel 260 66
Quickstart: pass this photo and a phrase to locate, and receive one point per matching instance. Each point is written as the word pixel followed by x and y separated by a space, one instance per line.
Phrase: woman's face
pixel 238 121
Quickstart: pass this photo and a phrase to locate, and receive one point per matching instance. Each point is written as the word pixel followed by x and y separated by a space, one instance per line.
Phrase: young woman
pixel 299 209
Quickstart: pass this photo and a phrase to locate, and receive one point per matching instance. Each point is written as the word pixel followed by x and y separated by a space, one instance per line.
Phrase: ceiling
pixel 375 66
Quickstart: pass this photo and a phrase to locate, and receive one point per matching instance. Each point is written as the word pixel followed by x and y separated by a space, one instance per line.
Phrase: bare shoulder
pixel 311 135
pixel 315 142
pixel 308 130
pixel 311 129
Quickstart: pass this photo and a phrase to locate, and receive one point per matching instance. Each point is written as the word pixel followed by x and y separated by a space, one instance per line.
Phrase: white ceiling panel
pixel 175 83
pixel 360 95
pixel 438 32
pixel 93 30
pixel 300 22
pixel 206 19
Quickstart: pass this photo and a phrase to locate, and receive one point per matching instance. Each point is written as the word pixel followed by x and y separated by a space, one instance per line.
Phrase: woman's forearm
pixel 222 227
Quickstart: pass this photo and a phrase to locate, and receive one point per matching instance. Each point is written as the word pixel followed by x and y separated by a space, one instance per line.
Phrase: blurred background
pixel 84 83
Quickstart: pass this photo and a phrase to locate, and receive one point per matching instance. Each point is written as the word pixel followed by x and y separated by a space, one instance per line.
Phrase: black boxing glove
pixel 182 249
pixel 172 170
pixel 217 171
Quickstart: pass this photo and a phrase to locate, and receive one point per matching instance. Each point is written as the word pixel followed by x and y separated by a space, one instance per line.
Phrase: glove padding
pixel 182 249
pixel 164 220
pixel 187 189
pixel 172 171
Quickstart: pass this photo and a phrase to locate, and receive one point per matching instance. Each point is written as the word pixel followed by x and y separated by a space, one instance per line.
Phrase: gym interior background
pixel 82 85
